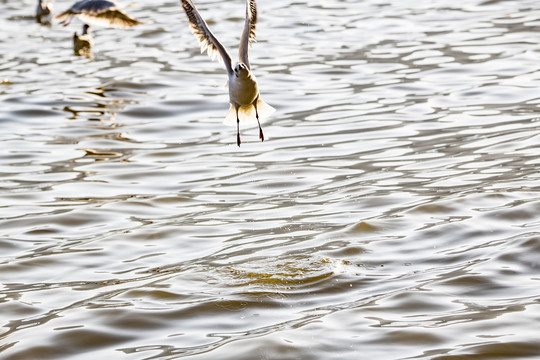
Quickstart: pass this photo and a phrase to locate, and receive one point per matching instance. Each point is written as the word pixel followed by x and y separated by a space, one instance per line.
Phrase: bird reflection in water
pixel 96 112
pixel 99 106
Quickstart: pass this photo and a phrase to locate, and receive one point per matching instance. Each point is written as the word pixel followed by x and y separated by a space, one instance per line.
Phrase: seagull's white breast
pixel 243 90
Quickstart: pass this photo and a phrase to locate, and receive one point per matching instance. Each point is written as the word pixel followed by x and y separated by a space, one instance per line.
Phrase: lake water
pixel 393 212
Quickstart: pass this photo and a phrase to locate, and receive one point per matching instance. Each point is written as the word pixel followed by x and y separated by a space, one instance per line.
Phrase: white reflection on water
pixel 391 213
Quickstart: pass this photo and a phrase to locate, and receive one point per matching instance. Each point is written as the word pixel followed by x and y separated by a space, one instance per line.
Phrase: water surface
pixel 392 212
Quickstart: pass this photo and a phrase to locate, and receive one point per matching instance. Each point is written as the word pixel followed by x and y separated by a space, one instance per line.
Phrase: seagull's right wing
pixel 248 35
pixel 206 38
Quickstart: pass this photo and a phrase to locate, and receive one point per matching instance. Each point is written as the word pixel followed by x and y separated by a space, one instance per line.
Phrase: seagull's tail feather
pixel 230 119
pixel 264 109
pixel 246 114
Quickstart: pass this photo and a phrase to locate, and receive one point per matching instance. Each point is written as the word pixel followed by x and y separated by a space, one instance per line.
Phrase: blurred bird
pixel 82 44
pixel 44 12
pixel 98 12
pixel 243 90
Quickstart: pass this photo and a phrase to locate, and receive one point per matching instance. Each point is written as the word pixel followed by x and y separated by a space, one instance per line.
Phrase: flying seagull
pixel 98 12
pixel 243 90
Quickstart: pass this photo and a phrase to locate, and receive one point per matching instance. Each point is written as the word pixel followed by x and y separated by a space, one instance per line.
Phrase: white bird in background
pixel 243 90
pixel 99 12
pixel 44 12
pixel 82 44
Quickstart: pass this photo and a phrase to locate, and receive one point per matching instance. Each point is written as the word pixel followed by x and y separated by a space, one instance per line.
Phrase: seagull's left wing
pixel 99 12
pixel 248 35
pixel 113 18
pixel 207 39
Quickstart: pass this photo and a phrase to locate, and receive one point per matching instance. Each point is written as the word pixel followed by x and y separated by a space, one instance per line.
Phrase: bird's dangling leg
pixel 67 21
pixel 261 135
pixel 238 142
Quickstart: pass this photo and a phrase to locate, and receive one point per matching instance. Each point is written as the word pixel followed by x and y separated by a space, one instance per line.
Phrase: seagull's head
pixel 241 70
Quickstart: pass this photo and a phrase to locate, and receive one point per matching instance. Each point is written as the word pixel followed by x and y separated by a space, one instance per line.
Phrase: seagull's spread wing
pixel 248 35
pixel 206 38
pixel 113 18
pixel 99 12
pixel 91 7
